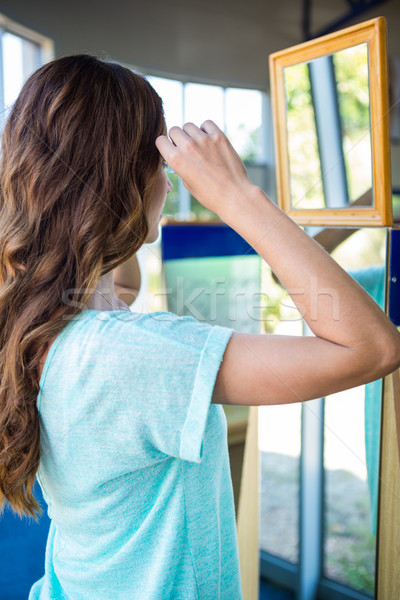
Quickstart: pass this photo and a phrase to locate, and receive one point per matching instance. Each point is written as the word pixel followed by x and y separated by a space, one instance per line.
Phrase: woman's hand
pixel 208 165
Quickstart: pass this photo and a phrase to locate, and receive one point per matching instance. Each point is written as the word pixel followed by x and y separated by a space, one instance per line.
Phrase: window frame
pixel 44 43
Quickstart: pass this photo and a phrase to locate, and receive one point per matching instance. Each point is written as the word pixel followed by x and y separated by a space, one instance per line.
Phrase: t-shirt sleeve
pixel 173 363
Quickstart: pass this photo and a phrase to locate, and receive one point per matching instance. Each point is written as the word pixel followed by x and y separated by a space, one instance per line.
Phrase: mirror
pixel 328 125
pixel 329 100
pixel 323 473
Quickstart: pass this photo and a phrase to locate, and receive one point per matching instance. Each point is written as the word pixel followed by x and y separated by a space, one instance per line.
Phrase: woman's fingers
pixel 165 146
pixel 210 127
pixel 206 162
pixel 179 139
pixel 179 136
pixel 194 132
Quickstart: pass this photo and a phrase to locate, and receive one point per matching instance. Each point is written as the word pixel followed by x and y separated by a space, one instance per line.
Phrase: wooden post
pixel 248 511
pixel 388 559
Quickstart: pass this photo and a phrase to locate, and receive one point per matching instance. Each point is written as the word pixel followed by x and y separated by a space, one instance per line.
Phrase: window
pixel 242 115
pixel 238 112
pixel 22 51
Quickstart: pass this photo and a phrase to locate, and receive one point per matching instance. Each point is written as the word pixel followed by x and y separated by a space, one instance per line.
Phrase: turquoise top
pixel 134 461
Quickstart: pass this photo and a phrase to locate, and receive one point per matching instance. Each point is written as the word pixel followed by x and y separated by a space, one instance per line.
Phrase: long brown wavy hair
pixel 78 163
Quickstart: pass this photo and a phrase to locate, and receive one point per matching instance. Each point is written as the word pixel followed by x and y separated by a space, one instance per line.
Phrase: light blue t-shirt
pixel 134 461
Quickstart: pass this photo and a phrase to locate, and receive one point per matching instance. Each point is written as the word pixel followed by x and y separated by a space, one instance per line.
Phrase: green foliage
pixel 199 212
pixel 298 88
pixel 251 151
pixel 351 71
pixel 357 573
pixel 349 555
pixel 304 163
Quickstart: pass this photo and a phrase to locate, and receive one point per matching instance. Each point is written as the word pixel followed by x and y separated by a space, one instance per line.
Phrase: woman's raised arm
pixel 353 343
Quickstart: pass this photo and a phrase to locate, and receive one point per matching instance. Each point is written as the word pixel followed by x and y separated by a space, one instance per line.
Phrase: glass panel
pixel 171 206
pixel 171 93
pixel 20 59
pixel 351 71
pixel 240 111
pixel 258 175
pixel 352 434
pixel 204 102
pixel 199 213
pixel 304 163
pixel 279 444
pixel 328 130
pixel 396 207
pixel 211 289
pixel 151 296
pixel 243 120
pixel 279 441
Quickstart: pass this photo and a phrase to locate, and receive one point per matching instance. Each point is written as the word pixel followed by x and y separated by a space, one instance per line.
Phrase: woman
pixel 124 425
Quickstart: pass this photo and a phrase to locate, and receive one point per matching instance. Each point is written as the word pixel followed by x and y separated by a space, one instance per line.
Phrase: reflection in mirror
pixel 350 453
pixel 280 479
pixel 352 444
pixel 328 130
pixel 279 454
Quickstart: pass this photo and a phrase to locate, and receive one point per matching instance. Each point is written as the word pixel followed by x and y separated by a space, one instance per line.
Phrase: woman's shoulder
pixel 161 323
pixel 131 328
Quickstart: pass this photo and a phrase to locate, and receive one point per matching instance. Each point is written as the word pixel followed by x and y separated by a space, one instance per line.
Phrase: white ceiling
pixel 216 41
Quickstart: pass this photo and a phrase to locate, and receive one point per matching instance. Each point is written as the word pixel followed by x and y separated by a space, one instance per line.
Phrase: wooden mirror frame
pixel 374 33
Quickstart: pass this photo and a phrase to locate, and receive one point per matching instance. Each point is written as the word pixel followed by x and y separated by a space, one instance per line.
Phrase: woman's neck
pixel 104 298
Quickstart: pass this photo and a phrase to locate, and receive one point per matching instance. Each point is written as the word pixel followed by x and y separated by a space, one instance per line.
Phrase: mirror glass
pixel 349 455
pixel 352 445
pixel 328 127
